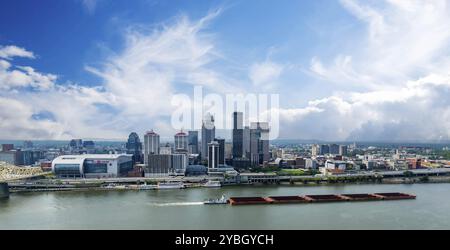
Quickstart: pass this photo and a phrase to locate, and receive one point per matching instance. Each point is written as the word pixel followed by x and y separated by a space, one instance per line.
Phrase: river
pixel 183 209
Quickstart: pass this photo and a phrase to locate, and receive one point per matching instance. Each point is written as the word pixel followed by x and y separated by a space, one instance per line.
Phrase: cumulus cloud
pixel 265 74
pixel 8 52
pixel 397 76
pixel 404 40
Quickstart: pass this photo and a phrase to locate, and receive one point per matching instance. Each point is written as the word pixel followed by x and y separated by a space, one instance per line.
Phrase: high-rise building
pixel 164 165
pixel 193 142
pixel 7 147
pixel 134 147
pixel 151 145
pixel 213 155
pixel 246 142
pixel 259 142
pixel 221 150
pixel 343 150
pixel 181 142
pixel 208 134
pixel 315 150
pixel 334 149
pixel 324 149
pixel 165 150
pixel 238 135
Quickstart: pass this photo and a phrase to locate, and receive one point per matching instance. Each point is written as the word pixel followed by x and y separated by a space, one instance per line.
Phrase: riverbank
pixel 99 186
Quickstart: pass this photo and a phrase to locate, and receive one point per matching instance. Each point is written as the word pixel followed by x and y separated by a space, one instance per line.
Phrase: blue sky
pixel 345 70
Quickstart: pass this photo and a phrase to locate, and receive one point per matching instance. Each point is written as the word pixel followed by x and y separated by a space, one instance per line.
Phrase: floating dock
pixel 318 198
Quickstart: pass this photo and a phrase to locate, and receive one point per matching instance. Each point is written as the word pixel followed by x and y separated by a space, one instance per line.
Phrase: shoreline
pixel 414 180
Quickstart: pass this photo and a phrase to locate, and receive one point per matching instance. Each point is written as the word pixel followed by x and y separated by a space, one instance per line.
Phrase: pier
pixel 319 198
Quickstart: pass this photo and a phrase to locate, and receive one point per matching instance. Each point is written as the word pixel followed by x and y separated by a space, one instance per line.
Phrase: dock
pixel 319 198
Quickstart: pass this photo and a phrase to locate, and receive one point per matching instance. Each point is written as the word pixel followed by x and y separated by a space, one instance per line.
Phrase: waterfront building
pixel 134 147
pixel 238 135
pixel 208 134
pixel 181 142
pixel 221 143
pixel 259 142
pixel 213 155
pixel 193 142
pixel 179 163
pixel 92 165
pixel 151 145
pixel 165 165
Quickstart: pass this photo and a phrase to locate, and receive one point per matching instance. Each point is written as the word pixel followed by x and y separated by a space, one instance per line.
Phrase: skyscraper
pixel 151 145
pixel 221 143
pixel 181 142
pixel 246 142
pixel 238 135
pixel 343 150
pixel 334 149
pixel 259 142
pixel 134 147
pixel 324 149
pixel 208 134
pixel 315 150
pixel 213 154
pixel 193 142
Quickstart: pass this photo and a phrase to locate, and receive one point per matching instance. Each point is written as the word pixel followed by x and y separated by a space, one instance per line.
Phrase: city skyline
pixel 366 72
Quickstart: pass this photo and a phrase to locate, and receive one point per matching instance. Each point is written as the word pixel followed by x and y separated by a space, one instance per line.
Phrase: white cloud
pixel 265 74
pixel 8 52
pixel 136 88
pixel 394 85
pixel 405 39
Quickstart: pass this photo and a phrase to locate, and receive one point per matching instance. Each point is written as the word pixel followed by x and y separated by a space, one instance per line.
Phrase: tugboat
pixel 222 200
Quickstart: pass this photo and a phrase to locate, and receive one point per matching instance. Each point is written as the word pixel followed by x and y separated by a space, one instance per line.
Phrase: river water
pixel 183 209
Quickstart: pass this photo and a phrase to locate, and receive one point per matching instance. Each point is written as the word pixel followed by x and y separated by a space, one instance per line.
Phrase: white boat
pixel 222 200
pixel 170 185
pixel 212 184
pixel 147 187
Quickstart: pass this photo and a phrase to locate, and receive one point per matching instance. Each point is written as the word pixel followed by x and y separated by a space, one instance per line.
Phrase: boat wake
pixel 174 204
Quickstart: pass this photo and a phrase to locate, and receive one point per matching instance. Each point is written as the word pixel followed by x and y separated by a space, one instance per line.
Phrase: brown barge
pixel 318 198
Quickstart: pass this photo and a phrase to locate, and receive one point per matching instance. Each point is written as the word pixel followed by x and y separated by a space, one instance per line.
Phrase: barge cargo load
pixel 319 198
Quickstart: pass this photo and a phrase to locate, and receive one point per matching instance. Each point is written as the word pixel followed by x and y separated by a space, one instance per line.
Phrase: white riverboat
pixel 147 187
pixel 170 185
pixel 212 184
